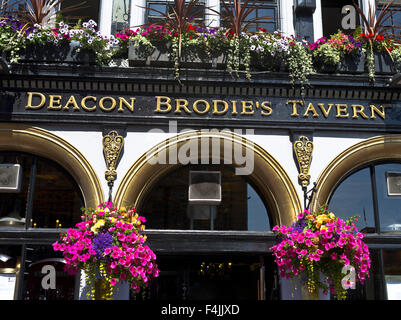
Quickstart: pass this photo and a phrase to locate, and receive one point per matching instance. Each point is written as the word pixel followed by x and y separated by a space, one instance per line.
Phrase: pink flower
pixel 113 281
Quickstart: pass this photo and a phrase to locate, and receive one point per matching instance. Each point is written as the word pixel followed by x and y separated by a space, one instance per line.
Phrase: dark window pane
pixel 257 215
pixel 13 205
pixel 38 257
pixel 372 289
pixel 332 16
pixel 85 14
pixel 265 9
pixel 354 197
pixel 241 209
pixel 389 206
pixel 392 271
pixel 57 199
pixel 197 13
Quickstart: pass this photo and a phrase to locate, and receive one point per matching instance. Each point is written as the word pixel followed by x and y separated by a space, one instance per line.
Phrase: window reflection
pixel 394 20
pixel 241 209
pixel 57 201
pixel 10 259
pixel 197 14
pixel 265 9
pixel 50 198
pixel 13 205
pixel 389 206
pixel 121 15
pixel 354 197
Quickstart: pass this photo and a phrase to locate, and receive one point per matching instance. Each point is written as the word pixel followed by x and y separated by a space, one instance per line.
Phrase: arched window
pixel 37 198
pixel 373 193
pixel 48 196
pixel 241 208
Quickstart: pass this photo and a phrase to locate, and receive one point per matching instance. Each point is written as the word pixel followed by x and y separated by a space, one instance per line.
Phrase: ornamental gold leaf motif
pixel 112 146
pixel 303 150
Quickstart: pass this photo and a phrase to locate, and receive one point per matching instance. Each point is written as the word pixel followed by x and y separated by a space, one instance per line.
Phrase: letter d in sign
pixel 49 280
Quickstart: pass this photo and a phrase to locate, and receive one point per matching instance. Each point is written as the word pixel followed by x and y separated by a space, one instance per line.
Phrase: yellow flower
pixel 100 223
pixel 332 216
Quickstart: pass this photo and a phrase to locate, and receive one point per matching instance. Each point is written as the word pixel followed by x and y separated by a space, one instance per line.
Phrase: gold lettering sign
pixel 214 107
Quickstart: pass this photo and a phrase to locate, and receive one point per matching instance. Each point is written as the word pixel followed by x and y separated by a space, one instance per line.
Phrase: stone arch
pixel 270 178
pixel 33 140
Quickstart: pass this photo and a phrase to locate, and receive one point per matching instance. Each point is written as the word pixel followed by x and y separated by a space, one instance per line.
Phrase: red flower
pixel 370 35
pixel 263 29
pixel 379 37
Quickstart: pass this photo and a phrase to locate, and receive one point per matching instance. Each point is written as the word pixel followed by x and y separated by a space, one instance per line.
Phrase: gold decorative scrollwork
pixel 112 146
pixel 303 150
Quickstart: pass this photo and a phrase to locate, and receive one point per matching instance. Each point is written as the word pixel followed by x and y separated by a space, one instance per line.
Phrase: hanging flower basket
pixel 317 247
pixel 109 247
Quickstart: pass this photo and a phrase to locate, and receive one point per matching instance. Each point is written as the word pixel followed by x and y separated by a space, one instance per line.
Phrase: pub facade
pixel 75 135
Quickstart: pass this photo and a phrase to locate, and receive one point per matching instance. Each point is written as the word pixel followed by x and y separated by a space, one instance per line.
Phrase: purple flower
pixel 101 242
pixel 299 225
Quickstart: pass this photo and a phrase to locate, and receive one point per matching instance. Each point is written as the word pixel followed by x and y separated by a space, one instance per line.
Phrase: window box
pixel 140 56
pixel 58 53
pixel 357 64
pixel 160 57
pixel 266 62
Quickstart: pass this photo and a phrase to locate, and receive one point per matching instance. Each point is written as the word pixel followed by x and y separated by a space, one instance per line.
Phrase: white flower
pixel 253 47
pixel 85 24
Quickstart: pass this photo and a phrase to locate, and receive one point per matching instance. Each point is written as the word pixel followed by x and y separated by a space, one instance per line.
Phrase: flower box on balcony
pixel 67 52
pixel 144 56
pixel 161 57
pixel 358 64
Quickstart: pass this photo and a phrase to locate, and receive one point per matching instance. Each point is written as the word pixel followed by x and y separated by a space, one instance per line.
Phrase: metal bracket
pixel 112 145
